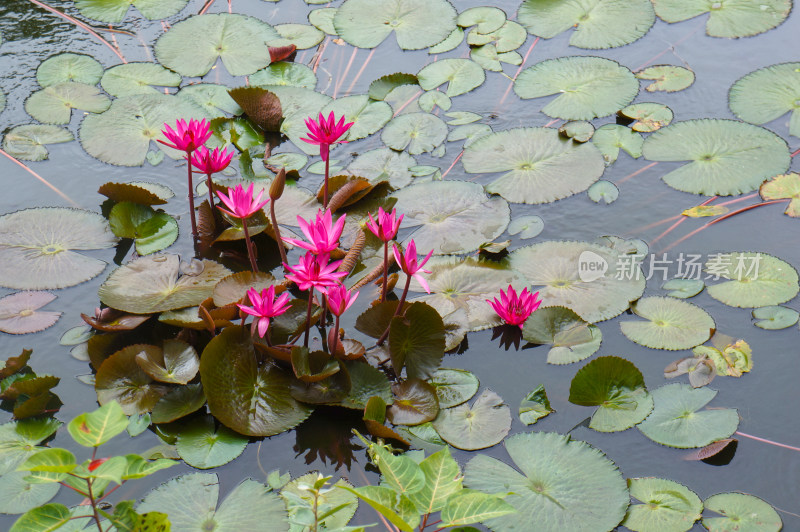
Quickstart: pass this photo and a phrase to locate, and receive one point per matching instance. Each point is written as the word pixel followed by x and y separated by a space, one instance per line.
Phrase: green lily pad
pixel 741 512
pixel 381 87
pixel 113 11
pixel 454 386
pixel 603 191
pixel 461 76
pixel 232 377
pixel 142 192
pixel 666 506
pixel 178 402
pixel 597 23
pixel 565 484
pixel 677 421
pixel 450 42
pixel 754 279
pixel 122 134
pixel 54 104
pixel 482 425
pixel 138 78
pixel 417 23
pixel 540 166
pixel 302 36
pixel 211 97
pixel 579 130
pixel 416 341
pixel 775 317
pixel 451 217
pixel 20 314
pixel 727 19
pixel 648 117
pixel 120 379
pixel 368 116
pixel 203 445
pixel 285 73
pixel 176 363
pixel 366 382
pixel 486 19
pixel 683 288
pixel 28 142
pixel 526 226
pixel 18 495
pixel 667 78
pixel 37 247
pixel 616 387
pixel 405 99
pixel 151 231
pixel 20 439
pixel 190 501
pixel 154 284
pixel 610 138
pixel 767 94
pixel 672 324
pixel 571 338
pixel 383 164
pixel 432 99
pixel 233 288
pixel 726 157
pixel 191 47
pixel 414 132
pixel 785 186
pixel 594 281
pixel 415 402
pixel 322 19
pixel 588 87
pixel 466 284
pixel 534 406
pixel 66 67
pixel 506 39
pixel 297 104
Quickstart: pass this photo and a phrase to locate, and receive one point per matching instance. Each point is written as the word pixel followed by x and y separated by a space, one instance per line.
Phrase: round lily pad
pixel 775 317
pixel 767 94
pixel 203 445
pixel 596 282
pixel 28 142
pixel 191 47
pixel 754 279
pixel 610 138
pixel 66 67
pixel 142 192
pixel 726 156
pixel 285 73
pixel 415 402
pixel 666 506
pixel 578 130
pixel 54 104
pixel 648 117
pixel 526 226
pixel 367 116
pixel 667 78
pixel 506 39
pixel 677 421
pixel 672 324
pixel 540 166
pixel 211 97
pixel 603 192
pixel 322 19
pixel 486 19
pixel 414 132
pixel 587 87
pixel 741 512
pixel 155 284
pixel 564 484
pixel 727 19
pixel 417 23
pixel 18 495
pixel 616 387
pixel 454 386
pixel 37 247
pixel 597 23
pixel 571 339
pixel 123 133
pixel 179 402
pixel 303 36
pixel 176 362
pixel 383 164
pixel 20 314
pixel 461 76
pixel 120 379
pixel 233 288
pixel 451 216
pixel 479 426
pixel 138 78
pixel 786 186
pixel 683 288
pixel 113 11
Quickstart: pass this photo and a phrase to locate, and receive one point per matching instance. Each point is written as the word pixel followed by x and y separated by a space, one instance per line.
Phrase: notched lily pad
pixel 672 324
pixel 482 425
pixel 666 506
pixel 571 338
pixel 176 362
pixel 535 406
pixel 727 19
pixel 120 379
pixel 753 279
pixel 786 186
pixel 20 314
pixel 740 511
pixel 28 142
pixel 648 117
pixel 667 78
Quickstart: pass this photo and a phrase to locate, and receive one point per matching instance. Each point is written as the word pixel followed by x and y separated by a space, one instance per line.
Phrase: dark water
pixel 766 398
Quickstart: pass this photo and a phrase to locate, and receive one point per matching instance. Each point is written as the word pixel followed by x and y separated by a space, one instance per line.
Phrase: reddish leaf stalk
pixel 274 220
pixel 308 315
pixel 385 271
pixel 397 311
pixel 250 251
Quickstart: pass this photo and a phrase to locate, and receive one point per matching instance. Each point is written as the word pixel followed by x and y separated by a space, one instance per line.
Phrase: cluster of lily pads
pixel 165 348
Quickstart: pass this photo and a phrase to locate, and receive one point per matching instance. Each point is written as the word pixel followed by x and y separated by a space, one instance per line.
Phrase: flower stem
pixel 397 311
pixel 191 196
pixel 385 271
pixel 210 192
pixel 249 244
pixel 325 185
pixel 335 337
pixel 308 315
pixel 274 220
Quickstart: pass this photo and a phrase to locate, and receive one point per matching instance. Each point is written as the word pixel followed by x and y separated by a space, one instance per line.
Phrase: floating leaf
pixel 486 19
pixel 297 104
pixel 701 370
pixel 754 279
pixel 741 512
pixel 322 19
pixel 113 11
pixel 154 284
pixel 785 186
pixel 18 495
pixel 191 47
pixel 479 426
pixel 190 501
pixel 461 76
pixel 597 23
pixel 571 339
pixel 234 287
pixel 539 165
pixel 28 142
pixel 381 87
pixel 508 38
pixel 648 117
pixel 666 506
pixel 367 381
pixel 676 420
pixel 138 78
pixel 415 402
pixel 534 406
pixel 616 387
pixel 705 210
pixel 367 116
pixel 526 226
pixel 726 157
pixel 19 439
pixel 302 36
pixel 54 104
pixel 775 317
pixel 565 485
pixel 203 445
pixel 18 312
pixel 66 67
pixel 120 379
pixel 383 164
pixel 683 288
pixel 588 87
pixel 750 101
pixel 712 449
pixel 727 19
pixel 579 131
pixel 36 247
pixel 667 78
pixel 611 137
pixel 596 282
pixel 672 324
pixel 175 363
pixel 232 377
pixel 416 341
pixel 151 231
pixel 603 191
pixel 454 386
pixel 142 192
pixel 417 23
pixel 414 132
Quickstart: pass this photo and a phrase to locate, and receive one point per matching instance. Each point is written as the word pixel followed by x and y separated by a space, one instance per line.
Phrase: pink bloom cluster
pixel 515 309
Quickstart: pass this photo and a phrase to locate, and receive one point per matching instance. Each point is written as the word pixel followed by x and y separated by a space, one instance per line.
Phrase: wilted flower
pixel 409 264
pixel 211 162
pixel 514 309
pixel 314 271
pixel 187 137
pixel 241 202
pixel 265 306
pixel 387 225
pixel 340 299
pixel 326 132
pixel 322 234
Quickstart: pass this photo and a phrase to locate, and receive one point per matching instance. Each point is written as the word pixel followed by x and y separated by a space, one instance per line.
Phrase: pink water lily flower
pixel 187 136
pixel 409 264
pixel 340 299
pixel 265 306
pixel 241 202
pixel 515 309
pixel 314 271
pixel 326 132
pixel 387 225
pixel 322 234
pixel 211 162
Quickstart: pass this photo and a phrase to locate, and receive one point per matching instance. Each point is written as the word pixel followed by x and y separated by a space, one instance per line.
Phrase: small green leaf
pixel 95 428
pixel 470 506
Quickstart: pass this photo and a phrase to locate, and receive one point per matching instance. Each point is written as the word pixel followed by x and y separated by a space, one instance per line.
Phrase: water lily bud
pixel 276 188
